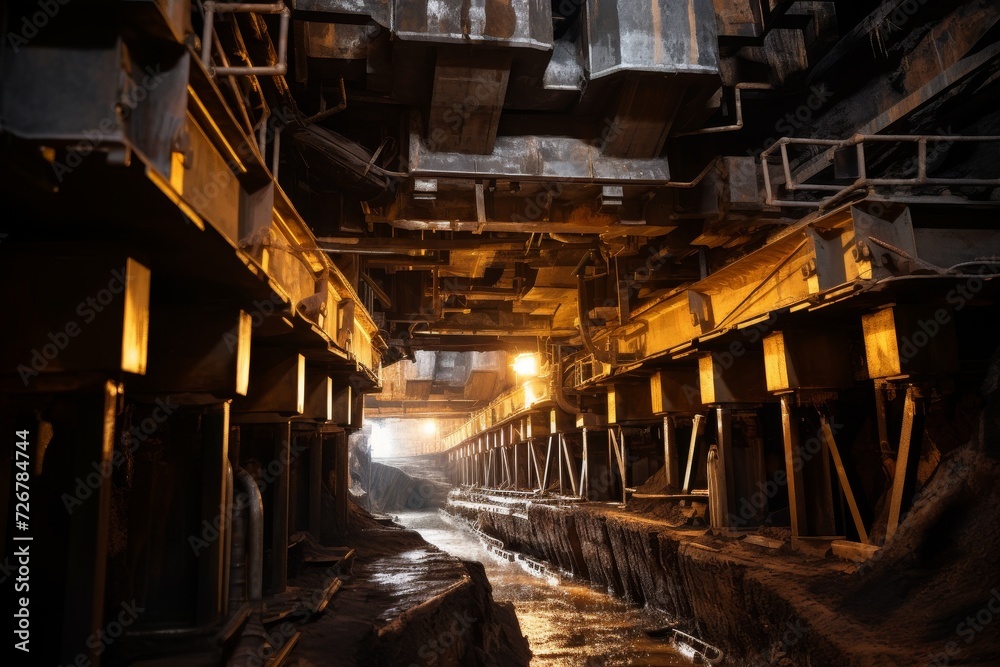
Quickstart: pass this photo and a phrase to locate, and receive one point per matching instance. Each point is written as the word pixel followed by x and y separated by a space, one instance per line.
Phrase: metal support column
pixel 315 484
pixel 793 467
pixel 571 473
pixel 211 561
pixel 724 418
pixel 279 513
pixel 548 458
pixel 671 465
pixel 92 440
pixel 342 473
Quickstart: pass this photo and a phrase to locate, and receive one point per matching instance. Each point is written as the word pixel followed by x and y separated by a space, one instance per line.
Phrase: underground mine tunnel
pixel 496 333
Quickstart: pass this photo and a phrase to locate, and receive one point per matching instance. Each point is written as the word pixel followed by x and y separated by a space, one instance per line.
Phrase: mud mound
pixel 392 490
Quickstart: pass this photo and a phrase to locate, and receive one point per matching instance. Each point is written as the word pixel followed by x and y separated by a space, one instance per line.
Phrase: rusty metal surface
pixel 538 158
pixel 379 11
pixel 667 36
pixel 509 23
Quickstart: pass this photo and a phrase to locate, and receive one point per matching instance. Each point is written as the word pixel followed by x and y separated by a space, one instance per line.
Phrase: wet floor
pixel 568 624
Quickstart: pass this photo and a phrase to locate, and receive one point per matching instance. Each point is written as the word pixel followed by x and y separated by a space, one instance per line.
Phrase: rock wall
pixel 393 490
pixel 461 626
pixel 406 603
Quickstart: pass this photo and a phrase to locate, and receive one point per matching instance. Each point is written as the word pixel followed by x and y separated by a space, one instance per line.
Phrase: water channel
pixel 568 623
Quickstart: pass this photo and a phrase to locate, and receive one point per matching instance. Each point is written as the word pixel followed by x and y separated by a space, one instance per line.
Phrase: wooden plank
pixel 695 430
pixel 827 434
pixel 905 461
pixel 761 541
pixel 853 551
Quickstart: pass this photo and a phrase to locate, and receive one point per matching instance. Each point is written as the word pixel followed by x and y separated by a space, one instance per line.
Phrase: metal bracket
pixel 212 8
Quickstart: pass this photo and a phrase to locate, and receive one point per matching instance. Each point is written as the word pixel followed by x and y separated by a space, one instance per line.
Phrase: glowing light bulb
pixel 526 365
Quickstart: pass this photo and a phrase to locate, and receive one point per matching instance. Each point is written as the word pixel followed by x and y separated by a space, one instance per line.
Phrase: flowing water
pixel 568 623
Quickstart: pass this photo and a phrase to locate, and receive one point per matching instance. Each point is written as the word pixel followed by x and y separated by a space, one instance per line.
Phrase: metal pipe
pixel 557 389
pixel 206 34
pixel 275 152
pixel 262 133
pixel 279 69
pixel 238 556
pixel 248 7
pixel 255 538
pixel 738 99
pixel 326 113
pixel 243 70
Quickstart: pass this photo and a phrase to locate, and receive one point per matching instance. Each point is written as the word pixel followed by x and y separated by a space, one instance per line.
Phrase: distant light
pixel 379 442
pixel 429 427
pixel 526 365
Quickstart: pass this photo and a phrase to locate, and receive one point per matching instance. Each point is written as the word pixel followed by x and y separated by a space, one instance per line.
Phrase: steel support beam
pixel 793 467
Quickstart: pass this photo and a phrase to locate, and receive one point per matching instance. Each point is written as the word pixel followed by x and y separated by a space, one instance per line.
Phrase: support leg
pixel 670 462
pixel 906 459
pixel 793 467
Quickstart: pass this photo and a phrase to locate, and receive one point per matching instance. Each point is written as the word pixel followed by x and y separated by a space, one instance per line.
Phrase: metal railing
pixel 212 8
pixel 849 156
pixel 514 402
